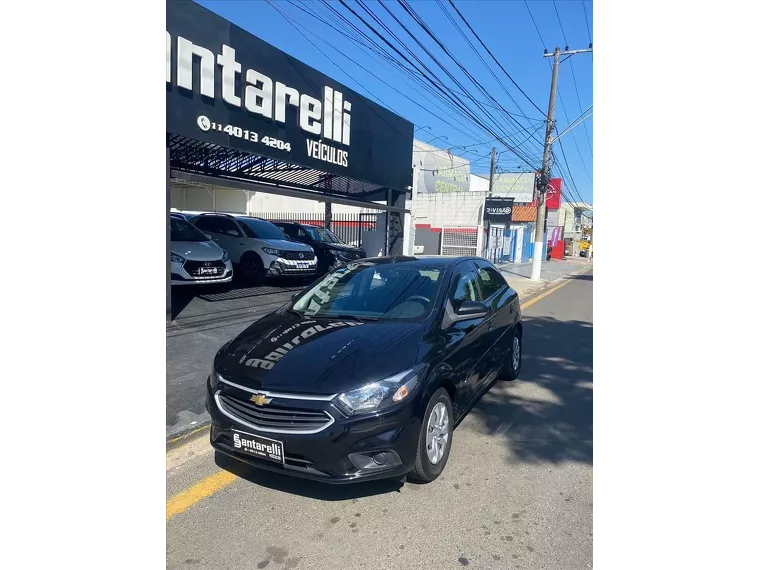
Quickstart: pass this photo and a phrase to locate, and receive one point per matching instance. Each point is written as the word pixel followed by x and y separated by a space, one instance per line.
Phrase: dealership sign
pixel 498 210
pixel 227 87
pixel 517 185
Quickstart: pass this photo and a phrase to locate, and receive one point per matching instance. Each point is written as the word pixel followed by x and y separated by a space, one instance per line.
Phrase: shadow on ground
pixel 582 277
pixel 547 414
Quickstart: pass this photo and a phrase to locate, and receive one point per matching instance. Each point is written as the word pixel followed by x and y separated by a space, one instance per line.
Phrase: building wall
pixel 234 201
pixel 453 209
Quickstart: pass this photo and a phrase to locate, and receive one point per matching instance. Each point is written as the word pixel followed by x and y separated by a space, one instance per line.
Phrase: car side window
pixel 301 234
pixel 208 224
pixel 490 280
pixel 465 287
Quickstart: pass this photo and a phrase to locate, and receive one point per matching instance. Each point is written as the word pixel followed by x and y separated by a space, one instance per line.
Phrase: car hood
pixel 288 353
pixel 342 247
pixel 197 250
pixel 286 245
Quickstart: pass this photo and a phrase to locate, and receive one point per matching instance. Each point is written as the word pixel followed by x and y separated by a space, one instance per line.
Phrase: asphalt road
pixel 517 491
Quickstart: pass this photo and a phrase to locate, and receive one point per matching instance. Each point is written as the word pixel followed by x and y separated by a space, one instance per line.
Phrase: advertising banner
pixel 227 87
pixel 553 194
pixel 440 172
pixel 498 210
pixel 517 185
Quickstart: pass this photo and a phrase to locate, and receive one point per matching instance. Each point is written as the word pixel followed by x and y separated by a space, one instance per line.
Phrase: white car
pixel 257 248
pixel 195 259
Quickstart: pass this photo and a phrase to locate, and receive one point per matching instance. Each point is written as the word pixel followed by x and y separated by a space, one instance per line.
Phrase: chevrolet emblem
pixel 260 400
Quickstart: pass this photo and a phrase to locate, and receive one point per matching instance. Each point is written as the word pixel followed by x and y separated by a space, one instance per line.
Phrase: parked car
pixel 364 374
pixel 258 248
pixel 331 251
pixel 195 258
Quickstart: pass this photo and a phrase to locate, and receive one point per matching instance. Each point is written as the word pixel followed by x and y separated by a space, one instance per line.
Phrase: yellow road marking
pixel 207 487
pixel 546 293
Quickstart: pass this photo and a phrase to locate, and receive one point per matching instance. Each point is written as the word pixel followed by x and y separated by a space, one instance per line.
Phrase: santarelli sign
pixel 228 87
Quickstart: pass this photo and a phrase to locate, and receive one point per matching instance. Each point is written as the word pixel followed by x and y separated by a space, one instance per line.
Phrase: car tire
pixel 514 365
pixel 251 270
pixel 425 470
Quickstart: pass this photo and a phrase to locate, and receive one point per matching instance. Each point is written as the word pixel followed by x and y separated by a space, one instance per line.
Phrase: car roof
pixel 294 223
pixel 425 261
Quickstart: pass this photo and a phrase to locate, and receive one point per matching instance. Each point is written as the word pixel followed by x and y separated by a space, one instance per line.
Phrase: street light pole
pixel 540 221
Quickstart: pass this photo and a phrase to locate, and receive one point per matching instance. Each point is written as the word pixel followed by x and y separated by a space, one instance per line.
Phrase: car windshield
pixel 185 231
pixel 260 229
pixel 371 291
pixel 322 234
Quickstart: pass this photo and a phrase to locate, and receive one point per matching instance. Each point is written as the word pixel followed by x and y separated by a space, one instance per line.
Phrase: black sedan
pixel 331 251
pixel 364 374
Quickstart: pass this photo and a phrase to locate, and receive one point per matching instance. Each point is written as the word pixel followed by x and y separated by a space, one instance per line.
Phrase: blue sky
pixel 506 29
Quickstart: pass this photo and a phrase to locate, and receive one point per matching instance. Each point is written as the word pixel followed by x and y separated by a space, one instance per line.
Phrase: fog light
pixel 379 460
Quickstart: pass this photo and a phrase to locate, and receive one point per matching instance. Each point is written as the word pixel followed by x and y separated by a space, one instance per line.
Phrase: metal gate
pixel 457 241
pixel 366 223
pixel 498 245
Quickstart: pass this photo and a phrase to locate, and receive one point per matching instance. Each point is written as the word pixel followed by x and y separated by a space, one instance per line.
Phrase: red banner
pixel 553 194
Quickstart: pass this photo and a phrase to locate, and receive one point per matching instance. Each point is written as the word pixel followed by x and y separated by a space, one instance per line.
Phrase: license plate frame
pixel 207 271
pixel 258 446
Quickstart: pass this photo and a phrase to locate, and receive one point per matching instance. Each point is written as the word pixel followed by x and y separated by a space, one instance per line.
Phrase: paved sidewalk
pixel 518 274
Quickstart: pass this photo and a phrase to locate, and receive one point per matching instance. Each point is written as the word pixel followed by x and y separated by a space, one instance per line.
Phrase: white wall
pixel 479 183
pixel 450 209
pixel 231 200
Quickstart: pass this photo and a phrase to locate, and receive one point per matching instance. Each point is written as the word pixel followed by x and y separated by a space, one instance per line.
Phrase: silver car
pixel 195 258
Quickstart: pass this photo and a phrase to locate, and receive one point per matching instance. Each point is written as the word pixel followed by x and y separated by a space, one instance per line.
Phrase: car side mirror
pixel 471 310
pixel 234 233
pixel 207 235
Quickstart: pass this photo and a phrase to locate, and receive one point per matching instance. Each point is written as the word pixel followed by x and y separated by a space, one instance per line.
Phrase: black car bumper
pixel 343 452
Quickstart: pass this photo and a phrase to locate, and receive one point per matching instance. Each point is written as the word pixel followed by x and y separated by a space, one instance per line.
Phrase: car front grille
pixel 194 268
pixel 296 255
pixel 274 417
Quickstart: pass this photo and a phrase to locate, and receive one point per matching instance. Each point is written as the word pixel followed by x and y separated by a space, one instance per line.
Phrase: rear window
pixel 260 229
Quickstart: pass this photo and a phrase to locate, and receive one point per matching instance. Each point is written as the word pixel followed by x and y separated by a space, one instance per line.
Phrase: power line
pixel 558 92
pixel 456 100
pixel 587 25
pixel 405 5
pixel 457 27
pixel 574 78
pixel 374 52
pixel 494 59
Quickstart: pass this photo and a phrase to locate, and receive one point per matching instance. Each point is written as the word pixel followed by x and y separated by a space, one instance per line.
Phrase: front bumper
pixel 292 268
pixel 342 452
pixel 180 276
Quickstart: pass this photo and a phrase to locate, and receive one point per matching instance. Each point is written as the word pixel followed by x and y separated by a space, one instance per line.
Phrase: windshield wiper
pixel 346 317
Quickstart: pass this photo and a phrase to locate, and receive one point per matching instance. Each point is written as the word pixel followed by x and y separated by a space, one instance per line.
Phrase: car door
pixel 501 300
pixel 466 340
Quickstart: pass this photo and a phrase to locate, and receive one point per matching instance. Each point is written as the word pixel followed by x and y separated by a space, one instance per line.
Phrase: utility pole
pixel 490 195
pixel 545 173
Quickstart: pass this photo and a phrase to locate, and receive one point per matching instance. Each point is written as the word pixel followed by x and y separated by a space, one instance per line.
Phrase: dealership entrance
pixel 242 115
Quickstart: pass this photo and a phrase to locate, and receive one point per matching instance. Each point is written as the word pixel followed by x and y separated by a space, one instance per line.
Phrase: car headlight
pixel 378 395
pixel 225 255
pixel 272 251
pixel 176 258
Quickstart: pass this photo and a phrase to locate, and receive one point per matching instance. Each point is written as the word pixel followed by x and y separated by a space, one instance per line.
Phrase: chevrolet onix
pixel 365 374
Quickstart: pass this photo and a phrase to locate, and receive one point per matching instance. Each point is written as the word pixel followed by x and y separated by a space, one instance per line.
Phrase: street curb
pixel 187 435
pixel 192 433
